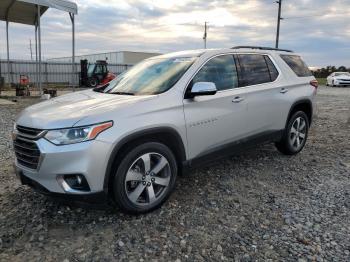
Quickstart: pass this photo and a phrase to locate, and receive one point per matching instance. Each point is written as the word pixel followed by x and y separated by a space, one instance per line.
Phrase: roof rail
pixel 261 48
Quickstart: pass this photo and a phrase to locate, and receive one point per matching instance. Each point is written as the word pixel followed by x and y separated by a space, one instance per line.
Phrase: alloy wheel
pixel 297 134
pixel 147 179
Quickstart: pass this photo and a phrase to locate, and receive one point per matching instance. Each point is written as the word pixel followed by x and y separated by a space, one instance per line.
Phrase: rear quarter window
pixel 297 65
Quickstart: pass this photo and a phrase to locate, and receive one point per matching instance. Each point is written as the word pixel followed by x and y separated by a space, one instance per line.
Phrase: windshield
pixel 153 76
pixel 342 73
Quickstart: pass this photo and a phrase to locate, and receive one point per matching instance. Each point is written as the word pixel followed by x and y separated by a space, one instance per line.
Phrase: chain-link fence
pixel 52 72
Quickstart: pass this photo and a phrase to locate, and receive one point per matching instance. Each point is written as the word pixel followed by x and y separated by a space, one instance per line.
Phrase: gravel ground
pixel 260 205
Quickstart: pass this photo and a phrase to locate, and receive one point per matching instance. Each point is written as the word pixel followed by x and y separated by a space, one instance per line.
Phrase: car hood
pixel 67 110
pixel 347 77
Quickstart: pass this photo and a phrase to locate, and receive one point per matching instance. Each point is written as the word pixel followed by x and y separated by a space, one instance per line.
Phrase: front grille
pixel 26 150
pixel 28 131
pixel 27 153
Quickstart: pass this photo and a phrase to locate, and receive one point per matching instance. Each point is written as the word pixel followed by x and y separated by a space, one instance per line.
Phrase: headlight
pixel 76 134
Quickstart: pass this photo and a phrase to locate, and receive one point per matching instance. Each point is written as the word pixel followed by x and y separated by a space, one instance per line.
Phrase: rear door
pixel 213 121
pixel 264 93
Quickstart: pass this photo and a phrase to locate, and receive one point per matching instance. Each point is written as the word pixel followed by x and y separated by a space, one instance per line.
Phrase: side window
pixel 104 69
pixel 272 69
pixel 220 70
pixel 297 65
pixel 253 69
pixel 98 69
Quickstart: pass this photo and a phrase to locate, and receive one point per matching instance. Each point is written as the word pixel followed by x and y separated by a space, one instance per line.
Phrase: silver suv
pixel 129 139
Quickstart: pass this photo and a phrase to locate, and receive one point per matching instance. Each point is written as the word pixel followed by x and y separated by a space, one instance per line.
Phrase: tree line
pixel 326 71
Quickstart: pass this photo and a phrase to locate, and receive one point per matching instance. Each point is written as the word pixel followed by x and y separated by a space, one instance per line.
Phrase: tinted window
pixel 297 65
pixel 272 69
pixel 220 70
pixel 253 70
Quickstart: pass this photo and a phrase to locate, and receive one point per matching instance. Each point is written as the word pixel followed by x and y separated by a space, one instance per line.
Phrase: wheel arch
pixel 304 105
pixel 166 135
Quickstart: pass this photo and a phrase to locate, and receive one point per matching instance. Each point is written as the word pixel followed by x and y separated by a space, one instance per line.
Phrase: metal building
pixel 118 57
pixel 29 12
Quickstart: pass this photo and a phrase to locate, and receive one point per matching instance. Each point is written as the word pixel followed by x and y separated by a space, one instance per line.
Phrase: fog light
pixel 74 183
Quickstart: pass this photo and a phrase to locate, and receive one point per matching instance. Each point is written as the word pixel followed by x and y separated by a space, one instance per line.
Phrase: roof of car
pixel 238 49
pixel 185 53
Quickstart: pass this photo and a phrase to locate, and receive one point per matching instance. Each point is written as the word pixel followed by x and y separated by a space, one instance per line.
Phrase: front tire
pixel 145 178
pixel 93 82
pixel 295 134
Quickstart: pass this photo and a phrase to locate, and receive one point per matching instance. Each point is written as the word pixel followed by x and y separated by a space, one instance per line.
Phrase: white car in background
pixel 338 79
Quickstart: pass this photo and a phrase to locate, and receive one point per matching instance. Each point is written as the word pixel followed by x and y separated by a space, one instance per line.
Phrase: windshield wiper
pixel 101 89
pixel 122 93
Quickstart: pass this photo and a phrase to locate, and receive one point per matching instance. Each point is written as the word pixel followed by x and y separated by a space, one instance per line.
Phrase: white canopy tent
pixel 29 12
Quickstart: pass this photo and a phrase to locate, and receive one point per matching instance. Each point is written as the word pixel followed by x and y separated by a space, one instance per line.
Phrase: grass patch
pixel 322 81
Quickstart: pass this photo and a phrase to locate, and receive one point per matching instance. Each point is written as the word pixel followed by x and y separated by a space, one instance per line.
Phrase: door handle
pixel 284 90
pixel 237 99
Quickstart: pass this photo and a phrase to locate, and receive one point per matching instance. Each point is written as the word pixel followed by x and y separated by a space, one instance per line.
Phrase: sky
pixel 317 29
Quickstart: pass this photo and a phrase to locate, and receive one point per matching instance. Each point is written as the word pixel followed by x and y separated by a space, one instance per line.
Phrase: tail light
pixel 314 83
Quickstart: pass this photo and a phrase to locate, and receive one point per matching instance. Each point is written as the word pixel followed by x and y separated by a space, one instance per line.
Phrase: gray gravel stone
pixel 258 206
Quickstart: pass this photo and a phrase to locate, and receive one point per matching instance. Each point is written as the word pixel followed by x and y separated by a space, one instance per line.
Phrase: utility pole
pixel 279 2
pixel 205 35
pixel 30 48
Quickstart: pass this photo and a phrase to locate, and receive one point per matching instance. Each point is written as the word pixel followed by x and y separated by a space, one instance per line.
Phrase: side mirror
pixel 203 89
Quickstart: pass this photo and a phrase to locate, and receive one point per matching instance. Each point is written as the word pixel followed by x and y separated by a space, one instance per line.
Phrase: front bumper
pixel 96 198
pixel 341 82
pixel 88 159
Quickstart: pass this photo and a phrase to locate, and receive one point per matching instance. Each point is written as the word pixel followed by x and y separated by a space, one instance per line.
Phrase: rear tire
pixel 145 178
pixel 295 134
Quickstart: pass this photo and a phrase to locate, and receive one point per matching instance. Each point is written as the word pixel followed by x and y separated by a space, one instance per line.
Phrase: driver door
pixel 213 121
